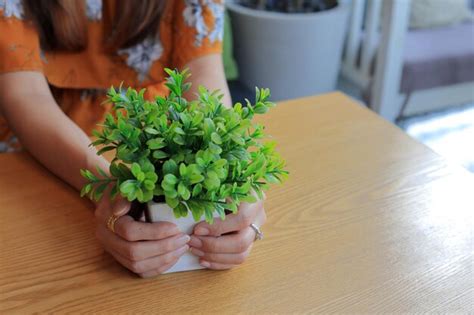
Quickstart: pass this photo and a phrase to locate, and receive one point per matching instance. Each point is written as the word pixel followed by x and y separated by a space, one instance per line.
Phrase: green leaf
pixel 197 119
pixel 197 214
pixel 172 202
pixel 151 131
pixel 146 166
pixel 136 169
pixel 260 109
pixel 185 119
pixel 178 139
pixel 128 186
pixel 181 210
pixel 105 149
pixel 220 210
pixel 211 182
pixel 156 143
pixel 98 192
pixel 139 194
pixel 88 175
pixel 209 126
pixel 141 176
pixel 158 191
pixel 171 193
pixel 271 178
pixel 183 191
pixel 101 172
pixel 170 179
pixel 162 122
pixel 86 189
pixel 124 170
pixel 147 195
pixel 170 167
pixel 238 139
pixel 232 206
pixel 214 148
pixel 182 169
pixel 196 178
pixel 114 170
pixel 220 163
pixel 151 176
pixel 216 138
pixel 208 215
pixel 179 131
pixel 158 154
pixel 197 190
pixel 149 185
pixel 114 192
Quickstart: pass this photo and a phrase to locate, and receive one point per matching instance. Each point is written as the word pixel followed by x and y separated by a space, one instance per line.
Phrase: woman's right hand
pixel 147 249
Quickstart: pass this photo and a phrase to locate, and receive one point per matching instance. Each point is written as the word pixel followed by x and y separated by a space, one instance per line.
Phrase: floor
pixel 450 133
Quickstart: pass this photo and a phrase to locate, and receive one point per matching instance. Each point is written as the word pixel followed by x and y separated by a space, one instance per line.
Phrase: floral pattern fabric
pixel 94 10
pixel 193 15
pixel 141 56
pixel 12 8
pixel 188 29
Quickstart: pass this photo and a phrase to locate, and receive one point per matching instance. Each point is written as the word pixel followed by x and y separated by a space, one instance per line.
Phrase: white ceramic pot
pixel 293 54
pixel 162 212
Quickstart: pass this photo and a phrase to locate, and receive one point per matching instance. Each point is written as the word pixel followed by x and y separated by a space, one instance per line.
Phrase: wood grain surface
pixel 370 221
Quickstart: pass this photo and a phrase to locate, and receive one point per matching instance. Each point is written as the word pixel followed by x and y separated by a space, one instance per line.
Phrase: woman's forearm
pixel 58 143
pixel 209 72
pixel 47 133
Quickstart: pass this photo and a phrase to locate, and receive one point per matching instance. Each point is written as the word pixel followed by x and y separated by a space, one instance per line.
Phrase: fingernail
pixel 201 231
pixel 195 242
pixel 184 239
pixel 197 252
pixel 205 264
pixel 120 211
pixel 121 207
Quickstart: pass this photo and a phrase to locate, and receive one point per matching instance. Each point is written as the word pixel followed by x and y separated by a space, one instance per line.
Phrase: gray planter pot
pixel 292 54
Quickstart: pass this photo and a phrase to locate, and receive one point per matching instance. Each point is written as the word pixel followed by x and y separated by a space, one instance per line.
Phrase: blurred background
pixel 411 62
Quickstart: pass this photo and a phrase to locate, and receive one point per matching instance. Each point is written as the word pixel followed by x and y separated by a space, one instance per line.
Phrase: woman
pixel 57 57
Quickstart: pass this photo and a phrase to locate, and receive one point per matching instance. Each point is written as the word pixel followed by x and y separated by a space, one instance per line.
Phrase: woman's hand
pixel 225 244
pixel 147 249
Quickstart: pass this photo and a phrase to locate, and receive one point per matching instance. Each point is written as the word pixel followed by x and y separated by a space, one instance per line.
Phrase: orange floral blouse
pixel 188 29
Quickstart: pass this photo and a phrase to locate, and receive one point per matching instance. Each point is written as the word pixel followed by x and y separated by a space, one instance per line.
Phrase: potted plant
pixel 184 160
pixel 294 47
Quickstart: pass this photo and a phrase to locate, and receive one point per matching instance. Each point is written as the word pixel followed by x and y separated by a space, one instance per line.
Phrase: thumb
pixel 121 207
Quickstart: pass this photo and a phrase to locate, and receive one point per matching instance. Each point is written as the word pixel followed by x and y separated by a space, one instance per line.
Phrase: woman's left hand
pixel 227 243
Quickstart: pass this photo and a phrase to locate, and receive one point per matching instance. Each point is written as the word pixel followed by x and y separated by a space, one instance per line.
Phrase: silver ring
pixel 258 232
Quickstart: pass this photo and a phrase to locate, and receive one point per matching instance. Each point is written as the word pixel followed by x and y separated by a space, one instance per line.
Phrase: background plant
pixel 196 155
pixel 290 6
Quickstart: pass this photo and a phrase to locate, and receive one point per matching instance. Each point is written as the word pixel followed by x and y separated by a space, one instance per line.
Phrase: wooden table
pixel 370 221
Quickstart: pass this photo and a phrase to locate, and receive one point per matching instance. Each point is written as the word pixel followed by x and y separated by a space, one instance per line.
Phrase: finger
pixel 136 251
pixel 231 243
pixel 215 266
pixel 227 259
pixel 259 221
pixel 132 230
pixel 233 222
pixel 121 207
pixel 227 244
pixel 150 264
pixel 156 272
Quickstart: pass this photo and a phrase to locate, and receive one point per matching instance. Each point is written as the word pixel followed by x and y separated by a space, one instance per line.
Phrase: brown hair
pixel 62 24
